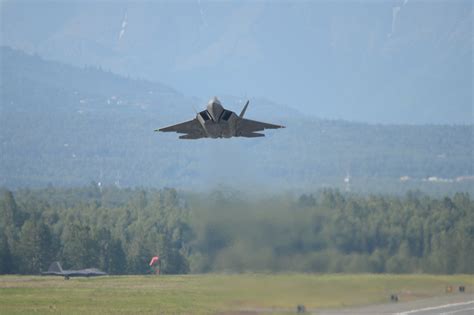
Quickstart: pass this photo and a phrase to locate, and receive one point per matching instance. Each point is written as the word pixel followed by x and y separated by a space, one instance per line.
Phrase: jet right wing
pixel 191 128
pixel 248 126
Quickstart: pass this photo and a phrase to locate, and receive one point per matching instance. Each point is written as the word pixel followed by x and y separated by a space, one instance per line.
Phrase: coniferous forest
pixel 119 230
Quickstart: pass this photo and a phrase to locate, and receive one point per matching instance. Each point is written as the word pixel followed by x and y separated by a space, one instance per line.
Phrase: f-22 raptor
pixel 218 122
pixel 55 269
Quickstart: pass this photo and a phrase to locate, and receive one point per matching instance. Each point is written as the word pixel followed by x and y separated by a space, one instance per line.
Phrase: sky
pixel 373 61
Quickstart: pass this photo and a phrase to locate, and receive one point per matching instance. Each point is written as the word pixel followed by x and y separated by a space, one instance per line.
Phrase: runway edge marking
pixel 435 307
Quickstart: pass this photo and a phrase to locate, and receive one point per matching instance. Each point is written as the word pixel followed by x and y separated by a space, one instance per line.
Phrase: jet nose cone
pixel 215 108
pixel 214 100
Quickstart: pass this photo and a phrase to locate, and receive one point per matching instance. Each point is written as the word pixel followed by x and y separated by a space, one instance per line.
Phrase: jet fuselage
pixel 216 121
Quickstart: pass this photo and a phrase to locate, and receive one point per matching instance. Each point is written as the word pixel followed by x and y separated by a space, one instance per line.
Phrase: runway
pixel 449 304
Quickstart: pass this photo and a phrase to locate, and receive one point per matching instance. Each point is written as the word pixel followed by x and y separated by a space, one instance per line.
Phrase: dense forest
pixel 119 230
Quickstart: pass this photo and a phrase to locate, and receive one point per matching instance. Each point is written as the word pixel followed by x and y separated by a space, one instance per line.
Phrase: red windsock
pixel 154 260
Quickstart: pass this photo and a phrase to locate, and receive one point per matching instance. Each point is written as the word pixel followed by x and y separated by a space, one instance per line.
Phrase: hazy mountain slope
pixel 388 61
pixel 65 125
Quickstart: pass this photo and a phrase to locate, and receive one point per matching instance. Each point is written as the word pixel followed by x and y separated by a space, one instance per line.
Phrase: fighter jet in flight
pixel 218 122
pixel 55 269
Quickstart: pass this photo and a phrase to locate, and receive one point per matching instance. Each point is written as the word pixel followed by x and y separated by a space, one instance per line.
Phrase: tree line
pixel 115 230
pixel 119 230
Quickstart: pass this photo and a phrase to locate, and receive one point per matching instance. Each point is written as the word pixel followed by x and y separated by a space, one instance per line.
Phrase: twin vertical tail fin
pixel 242 113
pixel 55 267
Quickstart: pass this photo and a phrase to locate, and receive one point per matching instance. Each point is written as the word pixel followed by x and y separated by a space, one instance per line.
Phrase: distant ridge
pixel 390 61
pixel 65 125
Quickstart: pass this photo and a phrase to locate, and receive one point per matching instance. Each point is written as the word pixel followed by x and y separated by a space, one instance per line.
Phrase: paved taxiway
pixel 449 304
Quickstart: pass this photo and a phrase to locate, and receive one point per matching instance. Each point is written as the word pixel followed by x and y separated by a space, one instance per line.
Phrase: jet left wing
pixel 192 129
pixel 248 125
pixel 91 272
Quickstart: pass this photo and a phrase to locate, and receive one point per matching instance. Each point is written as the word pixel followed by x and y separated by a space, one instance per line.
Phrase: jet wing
pixel 52 273
pixel 85 273
pixel 192 129
pixel 248 125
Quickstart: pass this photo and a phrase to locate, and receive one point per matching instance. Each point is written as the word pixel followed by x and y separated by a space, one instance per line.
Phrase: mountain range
pixel 397 61
pixel 68 125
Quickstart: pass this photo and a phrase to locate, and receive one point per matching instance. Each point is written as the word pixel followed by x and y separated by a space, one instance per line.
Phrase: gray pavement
pixel 456 304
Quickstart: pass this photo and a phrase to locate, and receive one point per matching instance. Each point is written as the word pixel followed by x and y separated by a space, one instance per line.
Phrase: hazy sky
pixel 378 61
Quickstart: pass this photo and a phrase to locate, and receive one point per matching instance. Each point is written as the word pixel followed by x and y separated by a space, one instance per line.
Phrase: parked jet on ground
pixel 55 269
pixel 218 122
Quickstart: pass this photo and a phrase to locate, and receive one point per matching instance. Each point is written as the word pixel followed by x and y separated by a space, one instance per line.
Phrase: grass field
pixel 212 293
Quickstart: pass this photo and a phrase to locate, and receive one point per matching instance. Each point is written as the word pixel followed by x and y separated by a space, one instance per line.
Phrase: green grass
pixel 212 293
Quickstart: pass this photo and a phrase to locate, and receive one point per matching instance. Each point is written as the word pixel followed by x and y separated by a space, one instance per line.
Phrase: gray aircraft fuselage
pixel 217 122
pixel 55 269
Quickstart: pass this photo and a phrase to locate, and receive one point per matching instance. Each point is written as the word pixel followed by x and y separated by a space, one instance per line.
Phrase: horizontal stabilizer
pixel 190 136
pixel 252 135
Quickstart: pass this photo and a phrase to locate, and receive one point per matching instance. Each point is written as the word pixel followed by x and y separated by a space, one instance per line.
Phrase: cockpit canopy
pixel 214 100
pixel 214 108
pixel 215 111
